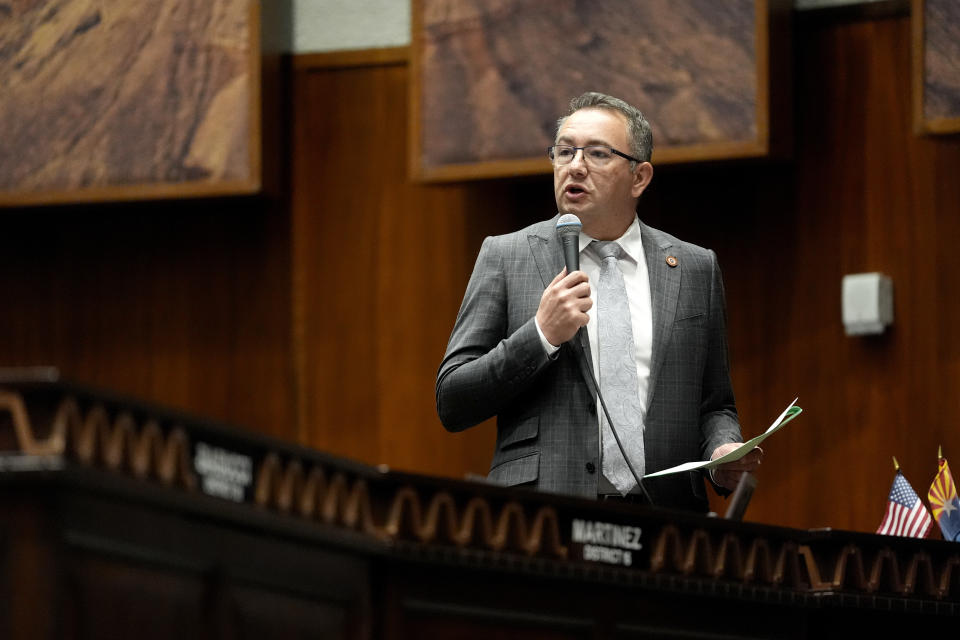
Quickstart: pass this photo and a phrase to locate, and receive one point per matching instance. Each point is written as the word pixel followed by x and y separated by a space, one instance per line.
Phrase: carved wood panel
pixel 490 78
pixel 110 99
pixel 936 70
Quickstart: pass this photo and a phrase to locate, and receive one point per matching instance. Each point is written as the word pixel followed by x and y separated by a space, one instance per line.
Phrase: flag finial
pixel 940 452
pixel 896 465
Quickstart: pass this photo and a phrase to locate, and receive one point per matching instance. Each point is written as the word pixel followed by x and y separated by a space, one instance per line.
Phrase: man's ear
pixel 642 175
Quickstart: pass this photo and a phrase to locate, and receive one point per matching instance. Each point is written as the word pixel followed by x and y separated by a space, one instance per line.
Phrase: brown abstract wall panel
pixel 936 71
pixel 489 77
pixel 110 99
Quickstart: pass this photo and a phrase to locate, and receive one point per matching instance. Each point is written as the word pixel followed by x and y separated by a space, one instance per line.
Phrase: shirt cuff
pixel 547 347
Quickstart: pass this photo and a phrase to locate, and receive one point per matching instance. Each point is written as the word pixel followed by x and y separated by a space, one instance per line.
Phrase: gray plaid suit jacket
pixel 547 434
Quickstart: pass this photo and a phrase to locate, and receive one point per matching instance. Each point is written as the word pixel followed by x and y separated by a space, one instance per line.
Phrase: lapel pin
pixel 672 262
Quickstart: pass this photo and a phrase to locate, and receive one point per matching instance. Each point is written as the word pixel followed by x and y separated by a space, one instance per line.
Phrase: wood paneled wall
pixel 325 323
pixel 181 303
pixel 379 269
pixel 867 195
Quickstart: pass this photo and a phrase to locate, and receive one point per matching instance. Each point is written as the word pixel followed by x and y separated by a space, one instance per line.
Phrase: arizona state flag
pixel 944 502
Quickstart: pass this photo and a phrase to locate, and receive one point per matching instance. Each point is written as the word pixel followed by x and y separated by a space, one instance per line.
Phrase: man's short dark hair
pixel 638 129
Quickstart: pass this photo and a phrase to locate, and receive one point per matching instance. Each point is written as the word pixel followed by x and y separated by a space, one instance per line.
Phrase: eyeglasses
pixel 593 155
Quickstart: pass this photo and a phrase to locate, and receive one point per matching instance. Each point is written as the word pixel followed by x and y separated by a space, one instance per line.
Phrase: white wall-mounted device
pixel 867 303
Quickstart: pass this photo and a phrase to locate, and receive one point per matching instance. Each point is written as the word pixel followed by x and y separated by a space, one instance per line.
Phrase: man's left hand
pixel 728 475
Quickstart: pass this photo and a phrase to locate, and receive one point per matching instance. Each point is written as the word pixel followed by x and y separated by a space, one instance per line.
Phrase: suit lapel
pixel 548 255
pixel 546 250
pixel 664 293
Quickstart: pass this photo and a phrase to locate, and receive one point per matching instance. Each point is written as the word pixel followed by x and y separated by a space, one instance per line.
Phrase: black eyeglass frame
pixel 589 146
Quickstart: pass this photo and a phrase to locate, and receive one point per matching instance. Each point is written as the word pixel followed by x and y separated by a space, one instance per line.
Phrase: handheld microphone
pixel 568 230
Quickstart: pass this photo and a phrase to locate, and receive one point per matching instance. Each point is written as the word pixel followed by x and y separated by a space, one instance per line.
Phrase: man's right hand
pixel 563 307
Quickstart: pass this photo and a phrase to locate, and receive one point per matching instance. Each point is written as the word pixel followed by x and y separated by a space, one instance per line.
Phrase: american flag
pixel 906 515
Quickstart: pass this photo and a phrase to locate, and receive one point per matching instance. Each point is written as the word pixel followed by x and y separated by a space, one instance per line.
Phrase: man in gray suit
pixel 525 342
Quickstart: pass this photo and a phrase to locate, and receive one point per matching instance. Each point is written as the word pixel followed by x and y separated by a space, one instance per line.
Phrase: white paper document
pixel 788 414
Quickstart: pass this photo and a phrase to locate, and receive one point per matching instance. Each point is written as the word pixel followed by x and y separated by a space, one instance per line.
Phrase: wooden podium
pixel 123 520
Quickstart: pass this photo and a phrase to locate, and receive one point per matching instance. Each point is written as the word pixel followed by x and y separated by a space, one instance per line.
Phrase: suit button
pixel 591 467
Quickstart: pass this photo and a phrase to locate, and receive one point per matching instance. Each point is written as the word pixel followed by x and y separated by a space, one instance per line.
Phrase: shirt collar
pixel 630 241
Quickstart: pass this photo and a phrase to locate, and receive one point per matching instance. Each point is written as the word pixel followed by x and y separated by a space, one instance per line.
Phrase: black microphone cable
pixel 568 231
pixel 616 436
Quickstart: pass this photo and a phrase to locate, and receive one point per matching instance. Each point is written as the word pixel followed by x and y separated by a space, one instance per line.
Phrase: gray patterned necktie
pixel 618 372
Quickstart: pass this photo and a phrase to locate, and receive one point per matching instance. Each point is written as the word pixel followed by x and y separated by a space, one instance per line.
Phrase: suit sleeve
pixel 484 368
pixel 719 423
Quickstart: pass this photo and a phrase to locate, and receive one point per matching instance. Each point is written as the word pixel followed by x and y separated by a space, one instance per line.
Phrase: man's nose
pixel 578 163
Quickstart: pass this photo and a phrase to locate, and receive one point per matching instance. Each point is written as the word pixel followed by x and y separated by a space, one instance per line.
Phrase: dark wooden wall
pixel 185 303
pixel 325 323
pixel 378 265
pixel 864 194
